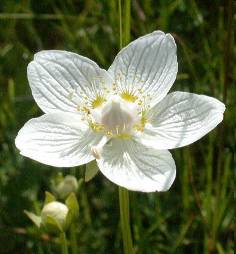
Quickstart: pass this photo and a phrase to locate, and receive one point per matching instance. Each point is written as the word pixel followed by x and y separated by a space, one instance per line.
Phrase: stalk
pixel 125 220
pixel 63 241
pixel 123 193
pixel 73 239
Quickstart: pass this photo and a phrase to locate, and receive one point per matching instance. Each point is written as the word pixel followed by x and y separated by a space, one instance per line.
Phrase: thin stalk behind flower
pixel 123 193
pixel 125 220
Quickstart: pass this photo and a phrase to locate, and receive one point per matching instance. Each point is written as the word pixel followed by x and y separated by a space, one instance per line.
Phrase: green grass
pixel 196 215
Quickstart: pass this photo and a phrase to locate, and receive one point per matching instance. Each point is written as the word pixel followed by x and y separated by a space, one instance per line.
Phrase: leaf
pixel 48 198
pixel 34 218
pixel 91 171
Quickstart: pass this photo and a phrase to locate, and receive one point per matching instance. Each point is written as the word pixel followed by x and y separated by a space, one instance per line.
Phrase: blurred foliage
pixel 196 215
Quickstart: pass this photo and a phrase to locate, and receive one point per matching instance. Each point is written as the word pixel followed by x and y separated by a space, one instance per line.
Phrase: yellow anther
pixel 96 127
pixel 128 96
pixel 123 136
pixel 140 103
pixel 139 128
pixel 98 101
pixel 86 110
pixel 141 125
pixel 109 133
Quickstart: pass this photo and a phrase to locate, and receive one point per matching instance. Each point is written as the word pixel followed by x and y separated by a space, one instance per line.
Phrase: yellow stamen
pixel 96 127
pixel 128 96
pixel 123 136
pixel 98 101
pixel 86 110
pixel 140 126
pixel 143 119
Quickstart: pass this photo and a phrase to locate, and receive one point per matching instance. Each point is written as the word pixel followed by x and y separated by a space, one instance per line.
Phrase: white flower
pixel 122 117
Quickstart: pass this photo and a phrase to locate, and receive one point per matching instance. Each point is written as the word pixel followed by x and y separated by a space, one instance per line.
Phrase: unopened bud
pixel 55 210
pixel 67 186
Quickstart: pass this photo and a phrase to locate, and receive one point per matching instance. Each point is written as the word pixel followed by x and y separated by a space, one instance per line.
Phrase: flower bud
pixel 54 212
pixel 67 186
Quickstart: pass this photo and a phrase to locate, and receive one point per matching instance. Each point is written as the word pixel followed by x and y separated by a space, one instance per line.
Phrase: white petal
pixel 58 139
pixel 137 167
pixel 148 63
pixel 59 78
pixel 180 119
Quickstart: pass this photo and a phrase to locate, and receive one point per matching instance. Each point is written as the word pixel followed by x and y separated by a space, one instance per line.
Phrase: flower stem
pixel 125 221
pixel 127 22
pixel 73 239
pixel 123 193
pixel 63 241
pixel 120 23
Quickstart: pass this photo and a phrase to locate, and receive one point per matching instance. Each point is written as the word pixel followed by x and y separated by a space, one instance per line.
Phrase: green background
pixel 196 214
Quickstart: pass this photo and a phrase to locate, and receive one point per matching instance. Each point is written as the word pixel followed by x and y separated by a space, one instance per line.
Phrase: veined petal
pixel 60 79
pixel 137 167
pixel 148 63
pixel 58 139
pixel 180 119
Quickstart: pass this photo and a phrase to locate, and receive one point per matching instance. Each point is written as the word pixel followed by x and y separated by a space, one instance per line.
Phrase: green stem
pixel 120 23
pixel 127 22
pixel 123 193
pixel 73 239
pixel 63 241
pixel 125 221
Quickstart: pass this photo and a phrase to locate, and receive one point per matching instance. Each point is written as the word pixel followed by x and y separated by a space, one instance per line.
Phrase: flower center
pixel 117 117
pixel 116 113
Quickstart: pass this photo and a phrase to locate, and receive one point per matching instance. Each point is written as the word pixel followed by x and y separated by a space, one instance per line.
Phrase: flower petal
pixel 148 63
pixel 59 139
pixel 180 119
pixel 60 79
pixel 137 167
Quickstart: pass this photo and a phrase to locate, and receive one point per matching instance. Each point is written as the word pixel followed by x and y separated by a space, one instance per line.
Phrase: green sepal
pixel 73 206
pixel 34 218
pixel 69 219
pixel 91 170
pixel 72 203
pixel 80 184
pixel 52 225
pixel 48 198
